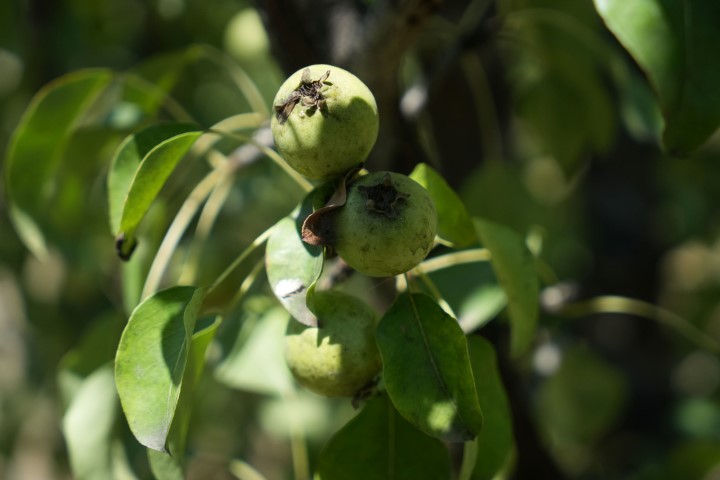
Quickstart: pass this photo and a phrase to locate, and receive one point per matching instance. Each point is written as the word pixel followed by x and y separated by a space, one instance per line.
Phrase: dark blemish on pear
pixel 307 94
pixel 383 198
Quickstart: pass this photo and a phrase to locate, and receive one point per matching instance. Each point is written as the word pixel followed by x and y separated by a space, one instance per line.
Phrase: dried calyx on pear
pixel 325 122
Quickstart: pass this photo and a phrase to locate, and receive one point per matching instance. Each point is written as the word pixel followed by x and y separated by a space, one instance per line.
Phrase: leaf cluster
pixel 440 385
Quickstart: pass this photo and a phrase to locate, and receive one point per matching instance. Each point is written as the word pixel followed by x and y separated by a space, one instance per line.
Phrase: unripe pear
pixel 339 357
pixel 325 122
pixel 387 225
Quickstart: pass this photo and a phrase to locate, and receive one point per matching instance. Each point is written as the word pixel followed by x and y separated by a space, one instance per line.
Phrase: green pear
pixel 339 357
pixel 386 227
pixel 325 121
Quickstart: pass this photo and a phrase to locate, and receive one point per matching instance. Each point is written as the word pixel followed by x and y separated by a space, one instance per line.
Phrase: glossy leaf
pixel 88 426
pixel 426 369
pixel 472 291
pixel 150 176
pixel 292 265
pixel 514 267
pixel 256 362
pixel 127 160
pixel 495 441
pixel 455 226
pixel 152 359
pixel 676 43
pixel 170 466
pixel 36 148
pixel 485 304
pixel 379 444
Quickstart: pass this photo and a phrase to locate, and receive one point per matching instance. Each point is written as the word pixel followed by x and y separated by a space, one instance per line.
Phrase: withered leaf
pixel 316 229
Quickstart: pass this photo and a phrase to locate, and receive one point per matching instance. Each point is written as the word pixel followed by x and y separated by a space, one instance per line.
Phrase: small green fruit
pixel 325 122
pixel 387 225
pixel 339 357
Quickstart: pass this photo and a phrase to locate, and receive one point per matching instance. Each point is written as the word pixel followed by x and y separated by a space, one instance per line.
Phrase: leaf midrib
pixel 444 387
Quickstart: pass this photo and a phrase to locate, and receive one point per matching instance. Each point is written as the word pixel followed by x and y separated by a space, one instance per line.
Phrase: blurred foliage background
pixel 531 110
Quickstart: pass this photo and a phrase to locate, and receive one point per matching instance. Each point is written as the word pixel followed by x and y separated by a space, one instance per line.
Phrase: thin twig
pixel 437 295
pixel 172 106
pixel 259 241
pixel 244 471
pixel 247 284
pixel 205 223
pixel 180 223
pixel 451 259
pixel 630 306
pixel 240 77
pixel 272 154
pixel 298 445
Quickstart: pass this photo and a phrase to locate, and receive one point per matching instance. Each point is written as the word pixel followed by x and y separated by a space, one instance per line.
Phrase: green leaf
pixel 495 441
pixel 379 444
pixel 169 466
pixel 454 224
pixel 485 303
pixel 256 362
pixel 127 160
pixel 37 145
pixel 514 267
pixel 152 359
pixel 472 291
pixel 88 426
pixel 292 265
pixel 150 176
pixel 676 43
pixel 426 369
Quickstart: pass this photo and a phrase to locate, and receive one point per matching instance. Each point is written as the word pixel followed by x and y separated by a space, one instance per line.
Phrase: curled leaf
pixel 316 229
